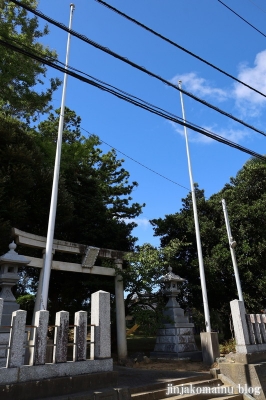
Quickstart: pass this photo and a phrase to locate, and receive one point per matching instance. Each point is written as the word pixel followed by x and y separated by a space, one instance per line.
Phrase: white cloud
pixel 142 222
pixel 255 77
pixel 248 103
pixel 235 135
pixel 200 86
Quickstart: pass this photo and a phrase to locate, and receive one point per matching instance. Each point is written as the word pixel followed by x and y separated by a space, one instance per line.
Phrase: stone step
pixel 207 397
pixel 174 382
pixel 177 389
pixel 230 397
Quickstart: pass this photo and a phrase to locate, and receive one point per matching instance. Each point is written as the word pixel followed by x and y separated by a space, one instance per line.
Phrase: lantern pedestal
pixel 175 340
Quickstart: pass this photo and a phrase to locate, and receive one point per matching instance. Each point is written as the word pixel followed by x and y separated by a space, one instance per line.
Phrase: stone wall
pixel 99 360
pixel 250 332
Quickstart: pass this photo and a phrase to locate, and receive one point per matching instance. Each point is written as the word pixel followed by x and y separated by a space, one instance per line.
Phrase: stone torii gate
pixel 89 255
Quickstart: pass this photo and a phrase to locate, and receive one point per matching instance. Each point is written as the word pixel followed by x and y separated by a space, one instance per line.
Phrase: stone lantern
pixel 175 339
pixel 171 290
pixel 9 264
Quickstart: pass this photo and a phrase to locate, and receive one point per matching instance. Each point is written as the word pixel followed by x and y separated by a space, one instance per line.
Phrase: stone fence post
pixel 61 337
pixel 80 336
pixel 16 340
pixel 120 313
pixel 100 317
pixel 243 344
pixel 39 338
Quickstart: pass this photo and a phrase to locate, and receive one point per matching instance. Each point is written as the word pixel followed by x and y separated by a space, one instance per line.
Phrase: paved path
pixel 134 377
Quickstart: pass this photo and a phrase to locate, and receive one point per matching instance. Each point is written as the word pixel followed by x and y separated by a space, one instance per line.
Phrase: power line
pixel 137 162
pixel 90 76
pixel 139 103
pixel 124 59
pixel 257 6
pixel 111 86
pixel 243 19
pixel 176 45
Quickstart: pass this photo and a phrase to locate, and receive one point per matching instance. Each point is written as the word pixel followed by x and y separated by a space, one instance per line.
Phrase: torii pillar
pixel 120 314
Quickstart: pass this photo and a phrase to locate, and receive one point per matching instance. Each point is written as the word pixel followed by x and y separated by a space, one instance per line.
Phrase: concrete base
pixel 64 386
pixel 249 358
pixel 210 347
pixel 39 372
pixel 251 377
pixel 191 355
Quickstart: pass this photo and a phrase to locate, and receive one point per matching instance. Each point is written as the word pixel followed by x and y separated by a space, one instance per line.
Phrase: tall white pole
pixel 53 205
pixel 196 222
pixel 232 245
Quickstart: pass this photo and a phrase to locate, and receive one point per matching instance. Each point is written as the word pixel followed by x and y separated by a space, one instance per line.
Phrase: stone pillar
pixel 100 317
pixel 15 354
pixel 243 343
pixel 210 347
pixel 1 309
pixel 80 336
pixel 120 314
pixel 61 337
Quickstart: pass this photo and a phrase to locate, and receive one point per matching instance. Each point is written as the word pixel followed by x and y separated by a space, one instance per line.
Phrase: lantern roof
pixel 170 276
pixel 13 257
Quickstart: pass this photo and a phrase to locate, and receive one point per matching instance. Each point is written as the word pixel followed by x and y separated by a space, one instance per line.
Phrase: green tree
pixel 94 199
pixel 141 277
pixel 22 78
pixel 97 182
pixel 246 200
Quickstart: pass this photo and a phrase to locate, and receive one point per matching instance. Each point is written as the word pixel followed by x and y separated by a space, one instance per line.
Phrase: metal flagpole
pixel 196 222
pixel 53 205
pixel 232 245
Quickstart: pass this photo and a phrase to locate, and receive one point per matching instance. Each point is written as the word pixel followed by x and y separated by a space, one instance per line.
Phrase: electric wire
pixel 106 84
pixel 257 6
pixel 133 159
pixel 176 45
pixel 137 162
pixel 130 99
pixel 243 19
pixel 124 59
pixel 55 60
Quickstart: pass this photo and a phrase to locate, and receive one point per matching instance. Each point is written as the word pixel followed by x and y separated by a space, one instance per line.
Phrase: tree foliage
pixel 93 200
pixel 22 78
pixel 145 300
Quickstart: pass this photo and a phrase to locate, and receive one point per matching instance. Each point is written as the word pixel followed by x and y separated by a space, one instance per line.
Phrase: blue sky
pixel 204 27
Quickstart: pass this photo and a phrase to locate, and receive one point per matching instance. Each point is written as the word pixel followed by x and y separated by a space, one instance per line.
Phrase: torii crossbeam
pixel 89 255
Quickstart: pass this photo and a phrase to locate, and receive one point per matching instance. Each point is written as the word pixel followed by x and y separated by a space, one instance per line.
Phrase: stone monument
pixel 175 339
